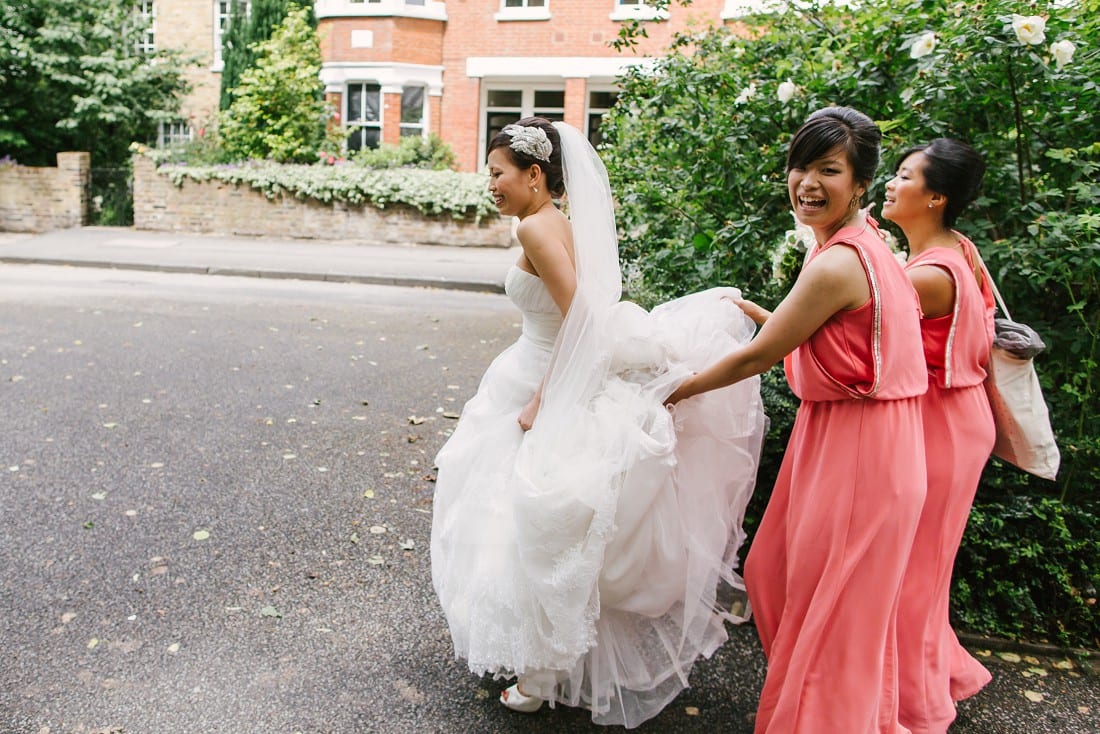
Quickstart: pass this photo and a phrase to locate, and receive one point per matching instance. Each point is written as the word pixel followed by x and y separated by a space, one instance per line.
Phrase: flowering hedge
pixel 696 148
pixel 447 192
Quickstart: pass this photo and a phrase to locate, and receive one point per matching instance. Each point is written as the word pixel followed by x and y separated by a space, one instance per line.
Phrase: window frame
pixel 589 110
pixel 173 133
pixel 526 108
pixel 147 14
pixel 361 124
pixel 636 10
pixel 421 127
pixel 524 12
pixel 221 25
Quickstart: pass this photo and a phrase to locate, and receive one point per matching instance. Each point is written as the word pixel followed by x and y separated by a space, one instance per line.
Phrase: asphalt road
pixel 216 501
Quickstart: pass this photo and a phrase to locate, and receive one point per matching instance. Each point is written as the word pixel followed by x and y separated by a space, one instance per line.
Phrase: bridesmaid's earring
pixel 537 190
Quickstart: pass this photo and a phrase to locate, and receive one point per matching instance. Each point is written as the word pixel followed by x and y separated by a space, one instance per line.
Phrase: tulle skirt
pixel 588 560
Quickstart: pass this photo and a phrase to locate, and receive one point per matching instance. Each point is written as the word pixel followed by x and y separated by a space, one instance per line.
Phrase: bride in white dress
pixel 581 530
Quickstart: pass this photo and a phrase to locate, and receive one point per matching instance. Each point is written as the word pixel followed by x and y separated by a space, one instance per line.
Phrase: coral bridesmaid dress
pixel 935 670
pixel 825 569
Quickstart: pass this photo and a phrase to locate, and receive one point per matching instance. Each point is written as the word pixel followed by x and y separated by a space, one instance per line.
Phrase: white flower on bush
pixel 796 243
pixel 1030 29
pixel 923 46
pixel 1062 51
pixel 786 91
pixel 746 94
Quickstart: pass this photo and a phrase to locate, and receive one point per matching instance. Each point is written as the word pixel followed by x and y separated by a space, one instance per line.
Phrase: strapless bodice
pixel 541 317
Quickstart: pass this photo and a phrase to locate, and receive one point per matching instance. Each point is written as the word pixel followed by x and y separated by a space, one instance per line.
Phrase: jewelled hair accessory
pixel 530 140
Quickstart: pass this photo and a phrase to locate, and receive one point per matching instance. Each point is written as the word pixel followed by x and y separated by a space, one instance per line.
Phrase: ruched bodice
pixel 541 317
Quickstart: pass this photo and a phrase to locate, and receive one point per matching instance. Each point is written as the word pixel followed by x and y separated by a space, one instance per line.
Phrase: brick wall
pixel 188 26
pixel 42 199
pixel 216 207
pixel 404 40
pixel 575 29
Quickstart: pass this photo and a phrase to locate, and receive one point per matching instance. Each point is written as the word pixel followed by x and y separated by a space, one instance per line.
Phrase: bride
pixel 581 530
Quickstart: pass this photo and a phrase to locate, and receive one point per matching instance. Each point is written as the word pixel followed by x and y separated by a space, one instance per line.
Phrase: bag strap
pixel 993 286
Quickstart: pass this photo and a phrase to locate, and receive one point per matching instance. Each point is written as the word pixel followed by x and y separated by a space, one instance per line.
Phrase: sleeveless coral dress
pixel 825 569
pixel 935 670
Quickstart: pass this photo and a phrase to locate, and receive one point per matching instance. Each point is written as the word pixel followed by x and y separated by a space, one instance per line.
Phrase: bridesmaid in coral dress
pixel 932 184
pixel 826 565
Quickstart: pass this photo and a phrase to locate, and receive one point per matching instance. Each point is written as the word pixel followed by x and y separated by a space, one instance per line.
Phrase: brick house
pixel 462 68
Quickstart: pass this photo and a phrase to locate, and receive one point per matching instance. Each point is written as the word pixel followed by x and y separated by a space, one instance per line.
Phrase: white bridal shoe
pixel 513 699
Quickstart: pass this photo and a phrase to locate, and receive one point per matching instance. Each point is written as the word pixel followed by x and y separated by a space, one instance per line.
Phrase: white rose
pixel 746 94
pixel 786 91
pixel 923 45
pixel 1030 29
pixel 1062 51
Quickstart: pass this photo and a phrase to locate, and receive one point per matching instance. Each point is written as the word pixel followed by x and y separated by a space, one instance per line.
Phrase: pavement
pixel 1036 689
pixel 431 266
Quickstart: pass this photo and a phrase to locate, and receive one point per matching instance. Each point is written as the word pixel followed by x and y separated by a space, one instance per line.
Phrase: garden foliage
pixel 73 76
pixel 431 192
pixel 250 22
pixel 696 150
pixel 278 110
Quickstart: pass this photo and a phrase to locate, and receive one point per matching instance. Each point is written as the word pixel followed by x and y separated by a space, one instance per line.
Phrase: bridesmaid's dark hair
pixel 555 181
pixel 953 169
pixel 827 128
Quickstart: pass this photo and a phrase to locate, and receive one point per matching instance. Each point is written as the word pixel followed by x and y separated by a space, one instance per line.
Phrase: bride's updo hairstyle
pixel 827 128
pixel 555 182
pixel 952 169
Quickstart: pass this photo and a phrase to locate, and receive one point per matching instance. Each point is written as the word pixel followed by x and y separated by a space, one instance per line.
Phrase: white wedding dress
pixel 586 554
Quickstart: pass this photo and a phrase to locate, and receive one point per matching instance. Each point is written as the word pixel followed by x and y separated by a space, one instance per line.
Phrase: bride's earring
pixel 536 189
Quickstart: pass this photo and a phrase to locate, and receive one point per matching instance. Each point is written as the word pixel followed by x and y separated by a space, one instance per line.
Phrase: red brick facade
pixel 467 67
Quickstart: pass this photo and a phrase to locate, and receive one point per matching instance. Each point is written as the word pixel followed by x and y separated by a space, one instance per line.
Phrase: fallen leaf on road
pixel 174 648
pixel 408 691
pixel 201 534
pixel 408 544
pixel 92 643
pixel 99 496
pixel 376 560
pixel 1041 672
pixel 270 611
pixel 1009 657
pixel 377 529
pixel 691 711
pixel 451 415
pixel 415 420
pixel 1033 696
pixel 1064 665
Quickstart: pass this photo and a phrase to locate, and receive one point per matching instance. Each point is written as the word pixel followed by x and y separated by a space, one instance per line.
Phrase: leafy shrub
pixel 278 110
pixel 696 148
pixel 446 192
pixel 412 152
pixel 1028 568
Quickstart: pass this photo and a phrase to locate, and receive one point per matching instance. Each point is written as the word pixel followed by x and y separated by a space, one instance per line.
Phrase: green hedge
pixel 696 149
pixel 459 195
